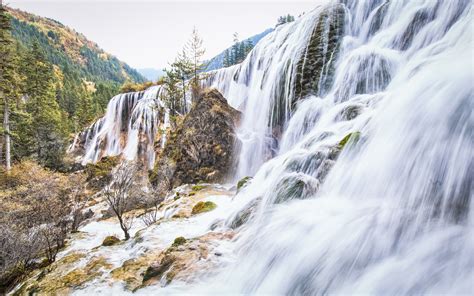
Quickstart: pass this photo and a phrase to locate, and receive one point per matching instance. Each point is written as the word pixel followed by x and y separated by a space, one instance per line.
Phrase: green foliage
pixel 285 19
pixel 49 133
pixel 238 52
pixel 202 207
pixel 175 87
pixel 129 86
pixel 96 68
pixel 54 82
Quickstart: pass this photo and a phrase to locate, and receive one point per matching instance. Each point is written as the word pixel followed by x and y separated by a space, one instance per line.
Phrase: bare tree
pixel 78 201
pixel 120 194
pixel 151 214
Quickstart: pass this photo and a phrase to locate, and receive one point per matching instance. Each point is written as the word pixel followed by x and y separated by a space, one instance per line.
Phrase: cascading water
pixel 129 128
pixel 395 213
pixel 266 84
pixel 366 109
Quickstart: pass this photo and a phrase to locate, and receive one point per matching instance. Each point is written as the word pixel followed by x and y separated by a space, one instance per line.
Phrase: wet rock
pixel 202 146
pixel 243 182
pixel 62 280
pixel 244 215
pixel 157 270
pixel 378 17
pixel 420 19
pixel 314 73
pixel 100 174
pixel 295 186
pixel 187 260
pixel 110 241
pixel 349 139
pixel 202 207
pixel 350 112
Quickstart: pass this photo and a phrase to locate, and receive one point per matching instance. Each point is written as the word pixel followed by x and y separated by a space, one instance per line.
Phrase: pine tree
pixel 182 68
pixel 235 49
pixel 86 110
pixel 173 97
pixel 195 50
pixel 6 79
pixel 227 62
pixel 49 134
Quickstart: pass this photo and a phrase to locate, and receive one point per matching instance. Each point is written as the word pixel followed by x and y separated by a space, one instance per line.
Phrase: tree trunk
pixel 6 127
pixel 184 96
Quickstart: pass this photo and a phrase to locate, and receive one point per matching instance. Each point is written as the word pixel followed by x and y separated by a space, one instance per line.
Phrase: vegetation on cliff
pixel 202 146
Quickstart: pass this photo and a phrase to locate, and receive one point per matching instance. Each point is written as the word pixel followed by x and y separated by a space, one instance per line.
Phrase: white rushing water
pixel 262 83
pixel 395 214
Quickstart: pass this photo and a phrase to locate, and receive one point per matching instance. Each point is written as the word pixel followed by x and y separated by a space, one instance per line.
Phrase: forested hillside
pixel 57 83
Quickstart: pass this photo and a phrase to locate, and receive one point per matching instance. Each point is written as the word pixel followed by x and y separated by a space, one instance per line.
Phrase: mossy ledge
pixel 202 207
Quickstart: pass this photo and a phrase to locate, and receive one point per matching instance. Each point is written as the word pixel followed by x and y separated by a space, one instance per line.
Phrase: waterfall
pixel 266 85
pixel 128 128
pixel 370 187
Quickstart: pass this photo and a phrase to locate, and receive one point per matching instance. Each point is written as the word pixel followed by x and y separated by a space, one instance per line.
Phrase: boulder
pixel 201 148
pixel 110 241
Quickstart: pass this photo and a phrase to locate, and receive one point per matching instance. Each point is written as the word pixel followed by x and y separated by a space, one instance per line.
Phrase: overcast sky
pixel 148 34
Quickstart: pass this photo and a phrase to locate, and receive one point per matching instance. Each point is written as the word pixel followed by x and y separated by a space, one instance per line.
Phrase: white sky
pixel 148 34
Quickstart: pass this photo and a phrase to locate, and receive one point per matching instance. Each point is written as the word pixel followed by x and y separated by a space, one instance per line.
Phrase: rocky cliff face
pixel 315 68
pixel 202 147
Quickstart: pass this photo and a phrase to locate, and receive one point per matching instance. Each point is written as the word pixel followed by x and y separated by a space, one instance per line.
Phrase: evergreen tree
pixel 194 50
pixel 6 83
pixel 49 134
pixel 86 111
pixel 227 62
pixel 173 97
pixel 235 49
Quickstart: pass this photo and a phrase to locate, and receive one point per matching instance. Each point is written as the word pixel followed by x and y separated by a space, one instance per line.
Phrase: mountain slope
pixel 69 49
pixel 217 62
pixel 151 74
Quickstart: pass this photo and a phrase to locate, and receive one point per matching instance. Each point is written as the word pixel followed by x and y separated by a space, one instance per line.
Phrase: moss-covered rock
pixel 243 182
pixel 110 241
pixel 202 207
pixel 295 186
pixel 100 174
pixel 198 187
pixel 315 68
pixel 178 241
pixel 349 138
pixel 202 146
pixel 244 215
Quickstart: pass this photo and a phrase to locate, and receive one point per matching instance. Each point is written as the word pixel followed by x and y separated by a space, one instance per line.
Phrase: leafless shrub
pixel 121 194
pixel 35 217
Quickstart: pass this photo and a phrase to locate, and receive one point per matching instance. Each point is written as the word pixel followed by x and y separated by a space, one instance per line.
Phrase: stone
pixel 202 147
pixel 110 241
pixel 202 207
